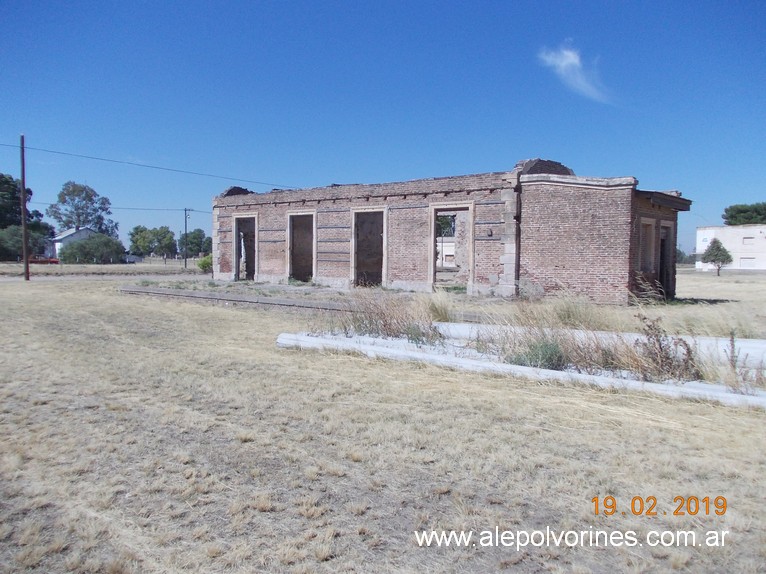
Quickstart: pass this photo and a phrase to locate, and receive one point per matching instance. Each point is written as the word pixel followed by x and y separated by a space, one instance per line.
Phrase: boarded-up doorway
pixel 302 247
pixel 244 235
pixel 368 251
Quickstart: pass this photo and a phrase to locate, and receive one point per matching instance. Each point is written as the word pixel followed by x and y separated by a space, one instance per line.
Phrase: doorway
pixel 452 247
pixel 368 248
pixel 244 236
pixel 665 268
pixel 302 247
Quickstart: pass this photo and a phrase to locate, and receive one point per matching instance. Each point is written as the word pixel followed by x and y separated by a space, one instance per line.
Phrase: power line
pixel 160 209
pixel 139 208
pixel 135 164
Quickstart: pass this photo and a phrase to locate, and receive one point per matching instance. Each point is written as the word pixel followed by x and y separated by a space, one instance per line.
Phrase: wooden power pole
pixel 186 234
pixel 23 199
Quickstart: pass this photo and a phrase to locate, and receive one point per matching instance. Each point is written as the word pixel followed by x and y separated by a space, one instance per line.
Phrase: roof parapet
pixel 576 180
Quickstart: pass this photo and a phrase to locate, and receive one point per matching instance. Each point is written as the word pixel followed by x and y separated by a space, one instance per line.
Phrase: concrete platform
pixel 454 354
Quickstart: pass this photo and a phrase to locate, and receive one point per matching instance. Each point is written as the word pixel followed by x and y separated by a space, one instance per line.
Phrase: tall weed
pixel 654 356
pixel 738 378
pixel 379 314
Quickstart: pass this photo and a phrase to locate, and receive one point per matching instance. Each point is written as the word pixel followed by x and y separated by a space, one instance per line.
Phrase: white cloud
pixel 567 65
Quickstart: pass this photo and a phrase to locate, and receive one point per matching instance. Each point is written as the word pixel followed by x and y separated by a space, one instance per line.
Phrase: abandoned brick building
pixel 535 229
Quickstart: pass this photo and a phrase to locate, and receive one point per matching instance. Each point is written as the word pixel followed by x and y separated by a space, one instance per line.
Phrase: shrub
pixel 95 249
pixel 654 356
pixel 373 312
pixel 665 357
pixel 206 264
pixel 541 353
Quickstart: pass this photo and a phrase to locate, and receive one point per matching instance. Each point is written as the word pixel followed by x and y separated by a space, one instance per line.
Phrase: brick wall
pixel 409 229
pixel 576 237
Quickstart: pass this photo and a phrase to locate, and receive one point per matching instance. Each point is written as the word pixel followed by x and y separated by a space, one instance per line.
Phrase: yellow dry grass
pixel 147 435
pixel 155 266
pixel 706 305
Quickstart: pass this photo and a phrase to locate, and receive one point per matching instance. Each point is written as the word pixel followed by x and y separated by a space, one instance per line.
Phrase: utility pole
pixel 186 233
pixel 24 230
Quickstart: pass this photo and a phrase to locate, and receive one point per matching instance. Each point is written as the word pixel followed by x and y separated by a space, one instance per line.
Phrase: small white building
pixel 746 243
pixel 53 249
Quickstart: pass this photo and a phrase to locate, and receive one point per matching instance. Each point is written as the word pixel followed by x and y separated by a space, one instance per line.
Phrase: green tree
pixel 445 226
pixel 196 239
pixel 80 206
pixel 10 221
pixel 164 242
pixel 742 214
pixel 10 203
pixel 94 249
pixel 158 241
pixel 207 246
pixel 141 240
pixel 10 241
pixel 716 254
pixel 683 257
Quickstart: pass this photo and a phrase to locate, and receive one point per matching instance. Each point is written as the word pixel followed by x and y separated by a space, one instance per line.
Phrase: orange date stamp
pixel 647 506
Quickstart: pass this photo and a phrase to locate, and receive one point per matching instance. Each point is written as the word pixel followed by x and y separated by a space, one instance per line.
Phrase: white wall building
pixel 746 243
pixel 65 238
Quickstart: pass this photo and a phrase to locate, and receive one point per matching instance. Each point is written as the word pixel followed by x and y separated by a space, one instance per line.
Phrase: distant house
pixel 746 243
pixel 54 246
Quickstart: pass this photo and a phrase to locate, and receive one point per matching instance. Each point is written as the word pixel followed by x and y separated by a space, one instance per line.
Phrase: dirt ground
pixel 150 435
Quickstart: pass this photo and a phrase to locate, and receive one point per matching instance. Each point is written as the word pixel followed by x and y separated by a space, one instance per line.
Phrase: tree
pixel 207 246
pixel 743 214
pixel 10 203
pixel 80 206
pixel 141 240
pixel 10 221
pixel 158 241
pixel 197 241
pixel 10 240
pixel 94 249
pixel 716 254
pixel 445 226
pixel 164 241
pixel 683 257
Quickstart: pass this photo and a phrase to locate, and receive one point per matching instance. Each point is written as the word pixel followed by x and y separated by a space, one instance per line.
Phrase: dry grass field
pixel 150 435
pixel 153 266
pixel 706 305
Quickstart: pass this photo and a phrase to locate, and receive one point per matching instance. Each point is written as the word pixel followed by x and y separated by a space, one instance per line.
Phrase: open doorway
pixel 244 236
pixel 665 270
pixel 452 248
pixel 302 247
pixel 368 248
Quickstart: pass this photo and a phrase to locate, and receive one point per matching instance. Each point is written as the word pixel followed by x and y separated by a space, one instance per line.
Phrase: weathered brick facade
pixel 535 229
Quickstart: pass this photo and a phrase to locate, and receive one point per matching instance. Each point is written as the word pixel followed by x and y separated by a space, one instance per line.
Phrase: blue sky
pixel 311 93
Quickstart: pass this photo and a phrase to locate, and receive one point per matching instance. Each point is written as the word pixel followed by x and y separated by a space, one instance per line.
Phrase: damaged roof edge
pixel 528 166
pixel 529 171
pixel 671 199
pixel 236 190
pixel 580 180
pixel 470 182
